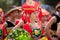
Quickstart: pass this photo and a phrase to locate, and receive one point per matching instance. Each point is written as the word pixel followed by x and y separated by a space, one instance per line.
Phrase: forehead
pixel 1 10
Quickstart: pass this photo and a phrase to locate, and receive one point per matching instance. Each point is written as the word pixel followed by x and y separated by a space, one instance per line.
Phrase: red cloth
pixel 40 14
pixel 29 8
pixel 4 31
pixel 16 22
pixel 27 28
pixel 24 17
pixel 3 17
pixel 49 38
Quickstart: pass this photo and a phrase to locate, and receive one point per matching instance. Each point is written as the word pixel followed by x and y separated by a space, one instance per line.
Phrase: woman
pixel 33 27
pixel 11 14
pixel 57 16
pixel 45 17
pixel 18 15
pixel 3 32
pixel 29 7
pixel 54 24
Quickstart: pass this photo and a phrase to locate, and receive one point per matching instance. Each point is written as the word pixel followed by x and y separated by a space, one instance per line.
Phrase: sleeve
pixel 27 28
pixel 39 14
pixel 4 31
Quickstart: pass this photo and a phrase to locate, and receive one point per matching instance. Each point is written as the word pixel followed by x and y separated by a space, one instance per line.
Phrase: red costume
pixel 2 20
pixel 28 9
pixel 4 31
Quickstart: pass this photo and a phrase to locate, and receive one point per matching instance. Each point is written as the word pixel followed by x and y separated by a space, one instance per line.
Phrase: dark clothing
pixel 10 24
pixel 54 25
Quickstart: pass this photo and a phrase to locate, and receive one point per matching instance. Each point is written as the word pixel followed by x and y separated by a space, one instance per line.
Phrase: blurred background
pixel 7 4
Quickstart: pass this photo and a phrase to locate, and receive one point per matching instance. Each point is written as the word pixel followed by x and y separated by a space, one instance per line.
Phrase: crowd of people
pixel 31 17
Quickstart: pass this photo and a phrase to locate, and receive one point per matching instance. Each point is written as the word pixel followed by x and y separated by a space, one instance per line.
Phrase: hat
pixel 14 9
pixel 58 5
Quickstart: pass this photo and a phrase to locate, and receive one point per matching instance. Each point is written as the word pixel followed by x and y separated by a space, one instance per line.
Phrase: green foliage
pixel 4 5
pixel 19 34
pixel 17 2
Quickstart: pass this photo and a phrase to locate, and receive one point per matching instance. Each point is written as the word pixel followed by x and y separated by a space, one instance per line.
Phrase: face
pixel 14 14
pixel 1 11
pixel 34 16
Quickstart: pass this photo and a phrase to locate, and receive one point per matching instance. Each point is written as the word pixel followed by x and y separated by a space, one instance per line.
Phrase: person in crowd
pixel 45 17
pixel 54 24
pixel 3 32
pixel 11 14
pixel 58 8
pixel 19 19
pixel 33 26
pixel 30 6
pixel 47 30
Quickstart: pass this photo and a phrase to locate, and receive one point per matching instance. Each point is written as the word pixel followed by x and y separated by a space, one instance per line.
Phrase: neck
pixel 12 19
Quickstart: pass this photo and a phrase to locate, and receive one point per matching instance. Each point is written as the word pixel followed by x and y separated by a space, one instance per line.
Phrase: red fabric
pixel 40 14
pixel 28 20
pixel 3 17
pixel 49 38
pixel 49 18
pixel 27 28
pixel 29 8
pixel 16 22
pixel 4 30
pixel 24 17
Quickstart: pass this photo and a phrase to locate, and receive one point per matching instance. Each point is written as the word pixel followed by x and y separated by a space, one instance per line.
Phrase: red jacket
pixel 27 28
pixel 3 30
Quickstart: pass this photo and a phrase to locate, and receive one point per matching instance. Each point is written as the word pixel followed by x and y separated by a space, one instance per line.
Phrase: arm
pixel 52 20
pixel 58 30
pixel 5 24
pixel 21 23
